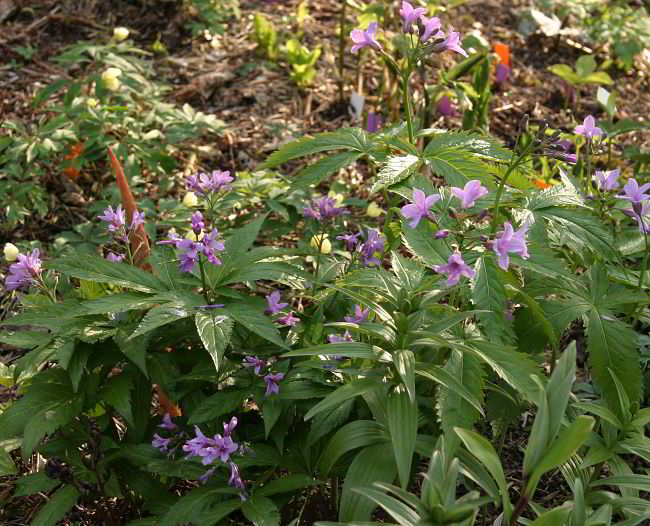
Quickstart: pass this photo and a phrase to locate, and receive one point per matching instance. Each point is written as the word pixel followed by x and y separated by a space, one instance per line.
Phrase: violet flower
pixel 337 338
pixel 272 380
pixel 634 193
pixel 115 258
pixel 288 320
pixel 502 73
pixel 455 268
pixel 167 423
pixel 373 244
pixel 420 207
pixel 275 305
pixel 444 106
pixel 441 234
pixel 229 427
pixel 510 241
pixel 323 209
pixel 431 26
pixel 204 184
pixel 410 15
pixel 359 315
pixel 116 219
pixel 365 37
pixel 373 123
pixel 161 443
pixel 211 245
pixel 194 446
pixel 189 255
pixel 197 223
pixel 221 449
pixel 255 363
pixel 451 43
pixel 588 128
pixel 350 240
pixel 639 216
pixel 25 272
pixel 608 180
pixel 136 220
pixel 235 479
pixel 470 193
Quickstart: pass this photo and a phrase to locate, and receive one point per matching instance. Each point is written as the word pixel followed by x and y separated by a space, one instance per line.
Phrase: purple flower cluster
pixel 637 196
pixel 271 379
pixel 166 445
pixel 276 305
pixel 608 181
pixel 350 240
pixel 337 338
pixel 469 193
pixel 323 209
pixel 191 251
pixel 203 184
pixel 360 315
pixel 455 268
pixel 116 224
pixel 25 272
pixel 371 248
pixel 510 241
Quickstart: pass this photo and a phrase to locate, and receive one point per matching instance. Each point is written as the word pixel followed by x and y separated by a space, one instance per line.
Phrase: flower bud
pixel 637 207
pixel 542 129
pixel 11 252
pixel 374 210
pixel 325 245
pixel 190 200
pixel 441 234
pixel 120 33
pixel 111 73
pixel 112 84
pixel 91 103
pixel 523 123
pixel 482 214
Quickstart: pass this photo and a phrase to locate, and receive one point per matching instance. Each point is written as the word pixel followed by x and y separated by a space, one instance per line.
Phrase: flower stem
pixel 644 266
pixel 342 50
pixel 407 106
pixel 497 198
pixel 204 281
pixel 587 151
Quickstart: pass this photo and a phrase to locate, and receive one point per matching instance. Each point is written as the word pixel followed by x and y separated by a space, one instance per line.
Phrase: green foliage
pixel 584 73
pixel 302 62
pixel 265 37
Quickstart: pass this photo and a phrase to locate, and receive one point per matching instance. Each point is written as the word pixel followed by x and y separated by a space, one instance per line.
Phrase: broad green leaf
pixel 286 484
pixel 489 294
pixel 640 482
pixel 189 507
pixel 100 270
pixel 423 245
pixel 451 383
pixel 57 506
pixel 34 483
pixel 322 169
pixel 403 427
pixel 120 302
pixel 404 361
pixel 7 466
pixel 214 332
pixel 395 169
pixel 553 517
pixel 251 316
pixel 26 339
pixel 347 391
pixel 353 435
pixel 483 451
pixel 362 473
pixel 134 349
pixel 481 146
pixel 117 393
pixel 261 511
pixel 216 405
pixel 399 511
pixel 348 350
pixel 458 166
pixel 343 139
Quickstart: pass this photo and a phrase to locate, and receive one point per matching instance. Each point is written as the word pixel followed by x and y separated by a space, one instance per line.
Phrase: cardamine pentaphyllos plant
pixel 419 335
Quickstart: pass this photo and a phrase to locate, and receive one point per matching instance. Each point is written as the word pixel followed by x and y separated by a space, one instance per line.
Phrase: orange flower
pixel 75 151
pixel 542 184
pixel 503 51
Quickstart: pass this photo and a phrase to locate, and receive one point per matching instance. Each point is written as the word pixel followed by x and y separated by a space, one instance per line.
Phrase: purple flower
pixel 203 184
pixel 173 239
pixel 359 315
pixel 364 37
pixel 115 258
pixel 272 383
pixel 608 180
pixel 235 479
pixel 289 320
pixel 420 207
pixel 571 158
pixel 410 15
pixel 588 128
pixel 373 124
pixel 273 300
pixel 189 256
pixel 451 43
pixel 116 219
pixel 221 449
pixel 207 475
pixel 229 427
pixel 167 423
pixel 455 268
pixel 510 241
pixel 444 106
pixel 161 443
pixel 254 362
pixel 211 245
pixel 323 209
pixel 213 306
pixel 350 240
pixel 502 73
pixel 470 193
pixel 373 244
pixel 194 446
pixel 337 338
pixel 197 223
pixel 635 193
pixel 441 234
pixel 431 25
pixel 639 216
pixel 136 220
pixel 25 272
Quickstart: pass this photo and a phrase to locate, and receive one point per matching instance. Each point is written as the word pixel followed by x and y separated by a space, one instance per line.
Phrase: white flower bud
pixel 374 210
pixel 111 73
pixel 190 200
pixel 91 103
pixel 325 246
pixel 11 252
pixel 120 33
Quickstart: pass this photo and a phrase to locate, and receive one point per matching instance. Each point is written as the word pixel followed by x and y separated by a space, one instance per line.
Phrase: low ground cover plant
pixel 244 359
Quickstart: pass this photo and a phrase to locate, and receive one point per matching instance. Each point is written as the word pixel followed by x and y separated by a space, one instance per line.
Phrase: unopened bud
pixel 441 234
pixel 605 135
pixel 481 215
pixel 637 207
pixel 421 27
pixel 523 123
pixel 558 146
pixel 542 129
pixel 556 135
pixel 536 142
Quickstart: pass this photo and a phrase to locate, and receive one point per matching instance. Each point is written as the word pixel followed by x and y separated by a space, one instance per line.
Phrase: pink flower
pixel 25 272
pixel 364 37
pixel 588 128
pixel 410 15
pixel 359 315
pixel 635 193
pixel 455 268
pixel 273 300
pixel 510 241
pixel 289 320
pixel 470 193
pixel 451 43
pixel 431 27
pixel 420 207
pixel 608 180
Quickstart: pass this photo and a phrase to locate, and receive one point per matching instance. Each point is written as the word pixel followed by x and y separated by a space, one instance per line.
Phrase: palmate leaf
pixel 489 294
pixel 214 332
pixel 323 168
pixel 453 409
pixel 396 169
pixel 421 243
pixel 354 139
pixel 458 167
pixel 479 145
pixel 57 506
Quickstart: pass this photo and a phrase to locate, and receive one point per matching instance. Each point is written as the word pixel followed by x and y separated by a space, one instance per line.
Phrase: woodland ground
pixel 263 108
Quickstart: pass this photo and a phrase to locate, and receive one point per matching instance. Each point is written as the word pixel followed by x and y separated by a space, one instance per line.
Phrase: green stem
pixel 342 40
pixel 644 265
pixel 497 198
pixel 588 148
pixel 407 106
pixel 320 244
pixel 204 281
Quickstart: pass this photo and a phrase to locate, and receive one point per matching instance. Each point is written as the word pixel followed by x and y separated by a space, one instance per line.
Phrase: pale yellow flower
pixel 11 252
pixel 337 197
pixel 192 236
pixel 374 210
pixel 325 246
pixel 120 33
pixel 110 80
pixel 190 200
pixel 91 103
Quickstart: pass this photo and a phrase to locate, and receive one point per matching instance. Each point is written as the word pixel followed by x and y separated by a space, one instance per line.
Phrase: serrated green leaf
pixel 322 169
pixel 217 405
pixel 261 511
pixel 458 166
pixel 489 294
pixel 117 393
pixel 421 243
pixel 395 169
pixel 57 506
pixel 214 332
